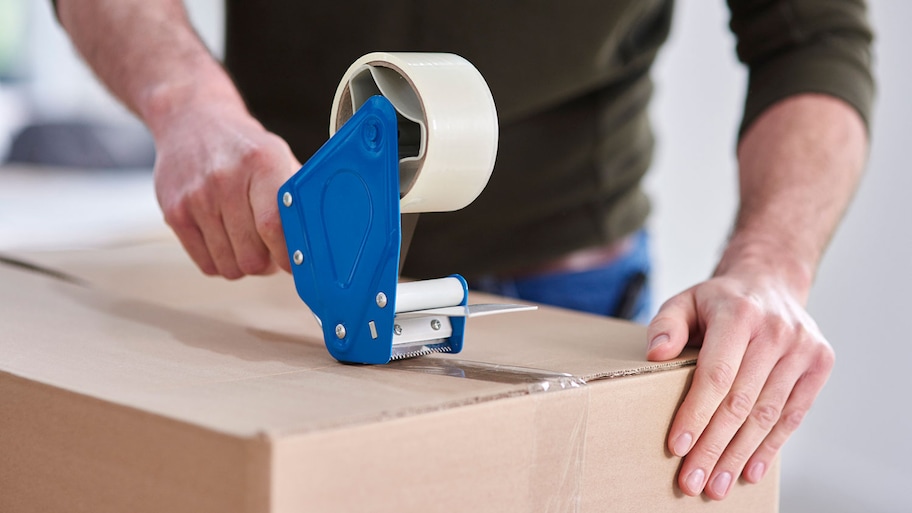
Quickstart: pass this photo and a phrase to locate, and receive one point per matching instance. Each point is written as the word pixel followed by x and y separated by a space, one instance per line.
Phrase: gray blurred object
pixel 83 145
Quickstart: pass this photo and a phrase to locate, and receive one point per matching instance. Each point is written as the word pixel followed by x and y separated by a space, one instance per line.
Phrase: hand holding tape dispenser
pixel 409 133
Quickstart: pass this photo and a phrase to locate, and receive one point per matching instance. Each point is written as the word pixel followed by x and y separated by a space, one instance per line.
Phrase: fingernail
pixel 657 341
pixel 720 484
pixel 756 471
pixel 682 444
pixel 694 481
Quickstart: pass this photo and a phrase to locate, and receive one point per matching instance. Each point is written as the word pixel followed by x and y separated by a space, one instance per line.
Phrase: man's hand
pixel 762 363
pixel 216 176
pixel 217 169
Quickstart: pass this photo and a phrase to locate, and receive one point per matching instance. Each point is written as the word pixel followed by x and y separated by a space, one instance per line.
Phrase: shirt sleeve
pixel 804 46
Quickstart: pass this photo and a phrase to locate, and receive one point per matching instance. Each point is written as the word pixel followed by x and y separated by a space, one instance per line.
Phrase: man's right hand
pixel 217 171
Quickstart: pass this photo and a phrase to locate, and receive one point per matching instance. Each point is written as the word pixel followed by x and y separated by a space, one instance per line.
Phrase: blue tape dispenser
pixel 409 133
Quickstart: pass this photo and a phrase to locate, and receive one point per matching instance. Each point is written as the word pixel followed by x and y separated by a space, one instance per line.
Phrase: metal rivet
pixel 435 324
pixel 373 329
pixel 340 331
pixel 298 257
pixel 372 135
pixel 397 329
pixel 381 299
pixel 286 199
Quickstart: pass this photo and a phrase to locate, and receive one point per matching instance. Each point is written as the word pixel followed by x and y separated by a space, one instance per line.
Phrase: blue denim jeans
pixel 620 288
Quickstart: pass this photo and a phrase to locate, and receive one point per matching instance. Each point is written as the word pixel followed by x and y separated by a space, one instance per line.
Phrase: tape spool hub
pixel 373 79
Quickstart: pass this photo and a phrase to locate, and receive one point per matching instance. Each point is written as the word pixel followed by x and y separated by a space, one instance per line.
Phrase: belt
pixel 580 260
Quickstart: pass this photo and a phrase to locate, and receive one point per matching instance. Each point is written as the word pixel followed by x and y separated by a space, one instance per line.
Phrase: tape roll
pixel 447 123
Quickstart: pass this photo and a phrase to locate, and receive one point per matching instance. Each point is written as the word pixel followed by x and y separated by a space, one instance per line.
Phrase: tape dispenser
pixel 409 133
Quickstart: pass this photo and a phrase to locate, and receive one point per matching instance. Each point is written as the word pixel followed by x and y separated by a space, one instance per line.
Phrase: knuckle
pixel 744 307
pixel 733 453
pixel 780 331
pixel 804 337
pixel 792 420
pixel 199 199
pixel 256 263
pixel 268 224
pixel 255 156
pixel 774 444
pixel 720 375
pixel 818 358
pixel 177 216
pixel 826 358
pixel 222 183
pixel 738 405
pixel 713 450
pixel 765 416
pixel 220 178
pixel 776 336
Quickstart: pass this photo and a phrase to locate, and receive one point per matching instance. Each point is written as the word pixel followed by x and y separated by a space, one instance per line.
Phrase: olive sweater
pixel 571 84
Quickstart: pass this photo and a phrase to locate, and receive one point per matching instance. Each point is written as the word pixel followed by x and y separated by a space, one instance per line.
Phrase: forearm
pixel 800 163
pixel 148 55
pixel 217 169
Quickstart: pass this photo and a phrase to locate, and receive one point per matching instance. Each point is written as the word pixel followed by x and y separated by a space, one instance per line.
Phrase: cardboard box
pixel 135 384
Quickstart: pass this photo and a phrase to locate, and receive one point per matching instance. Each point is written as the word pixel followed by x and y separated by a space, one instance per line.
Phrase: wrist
pixel 767 257
pixel 161 104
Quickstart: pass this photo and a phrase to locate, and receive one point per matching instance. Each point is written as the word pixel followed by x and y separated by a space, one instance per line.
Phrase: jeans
pixel 619 288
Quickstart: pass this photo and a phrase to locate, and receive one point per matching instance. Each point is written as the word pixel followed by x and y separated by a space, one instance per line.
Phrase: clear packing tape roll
pixel 447 124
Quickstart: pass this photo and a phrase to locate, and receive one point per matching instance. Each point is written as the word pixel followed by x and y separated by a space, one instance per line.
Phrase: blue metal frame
pixel 344 218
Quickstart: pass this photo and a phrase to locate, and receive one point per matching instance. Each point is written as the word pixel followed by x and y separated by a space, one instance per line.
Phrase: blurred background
pixel 852 452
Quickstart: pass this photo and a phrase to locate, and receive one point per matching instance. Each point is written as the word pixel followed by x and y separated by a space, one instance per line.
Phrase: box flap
pixel 145 329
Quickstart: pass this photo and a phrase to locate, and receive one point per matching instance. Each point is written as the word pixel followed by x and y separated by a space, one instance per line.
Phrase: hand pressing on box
pixel 762 360
pixel 762 363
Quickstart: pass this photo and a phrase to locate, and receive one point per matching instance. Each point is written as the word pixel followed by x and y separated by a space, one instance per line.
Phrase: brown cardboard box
pixel 148 387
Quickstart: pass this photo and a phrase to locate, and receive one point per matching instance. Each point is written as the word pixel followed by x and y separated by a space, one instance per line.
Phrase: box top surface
pixel 143 328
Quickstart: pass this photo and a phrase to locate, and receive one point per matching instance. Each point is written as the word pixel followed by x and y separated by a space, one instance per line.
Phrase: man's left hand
pixel 762 363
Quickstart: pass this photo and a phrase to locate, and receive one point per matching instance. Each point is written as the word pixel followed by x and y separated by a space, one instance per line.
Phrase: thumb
pixel 669 330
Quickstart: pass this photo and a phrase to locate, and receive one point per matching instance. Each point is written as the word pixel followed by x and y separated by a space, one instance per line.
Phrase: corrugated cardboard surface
pixel 148 387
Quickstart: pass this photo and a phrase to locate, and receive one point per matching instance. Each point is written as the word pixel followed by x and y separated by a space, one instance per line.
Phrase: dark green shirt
pixel 571 83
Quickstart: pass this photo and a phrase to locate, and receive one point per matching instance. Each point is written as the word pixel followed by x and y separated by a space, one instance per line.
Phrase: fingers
pixel 718 365
pixel 226 243
pixel 669 330
pixel 799 402
pixel 744 417
pixel 226 217
pixel 192 241
pixel 250 253
pixel 198 223
pixel 743 440
pixel 777 413
pixel 759 371
pixel 264 208
pixel 269 228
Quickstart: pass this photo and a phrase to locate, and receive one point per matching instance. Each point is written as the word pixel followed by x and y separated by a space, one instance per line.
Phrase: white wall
pixel 854 449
